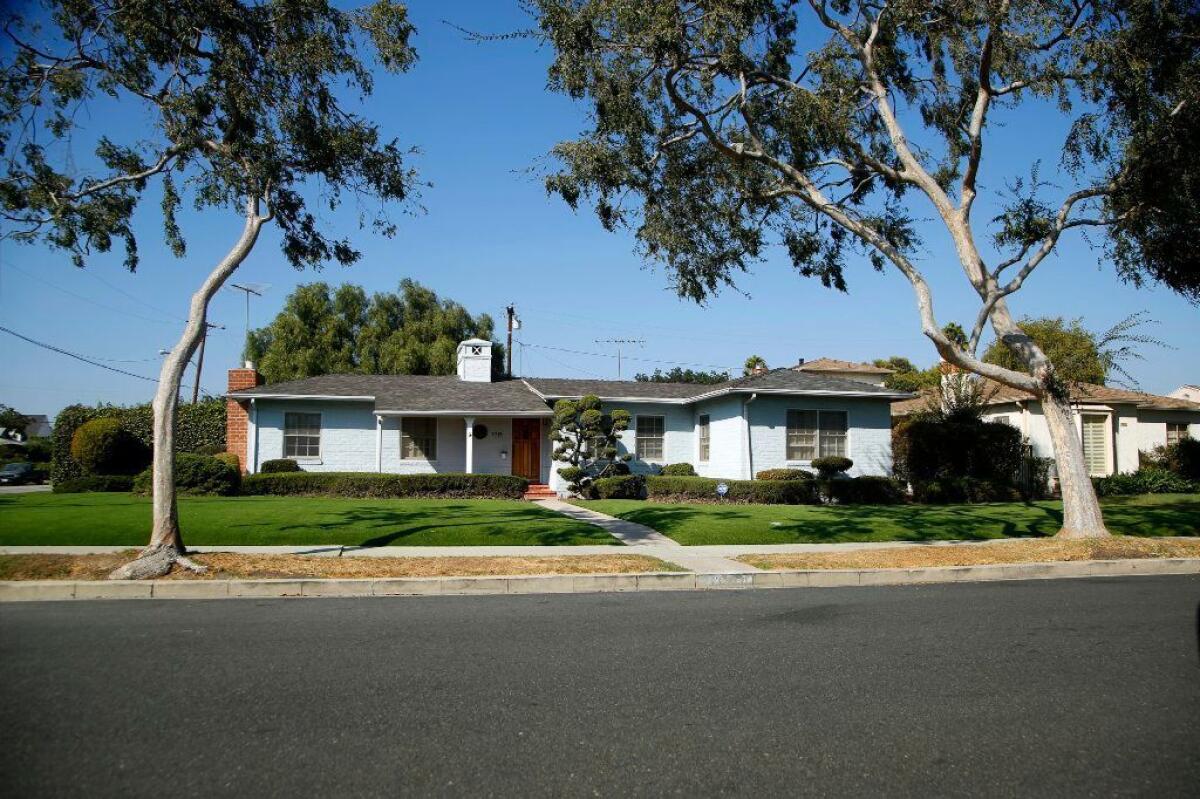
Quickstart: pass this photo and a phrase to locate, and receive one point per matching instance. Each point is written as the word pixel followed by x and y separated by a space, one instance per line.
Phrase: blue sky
pixel 489 235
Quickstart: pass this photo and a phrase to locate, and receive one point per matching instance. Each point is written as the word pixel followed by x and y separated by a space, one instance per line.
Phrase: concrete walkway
pixel 646 539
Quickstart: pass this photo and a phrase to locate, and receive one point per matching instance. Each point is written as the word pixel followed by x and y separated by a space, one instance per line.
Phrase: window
pixel 301 435
pixel 812 434
pixel 1176 432
pixel 1005 419
pixel 704 437
pixel 418 438
pixel 650 437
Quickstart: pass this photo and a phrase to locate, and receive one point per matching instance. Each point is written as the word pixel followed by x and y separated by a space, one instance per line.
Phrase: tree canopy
pixel 678 374
pixel 324 330
pixel 906 376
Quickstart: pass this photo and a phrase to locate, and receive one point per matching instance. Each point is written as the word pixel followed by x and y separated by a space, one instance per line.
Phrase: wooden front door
pixel 527 449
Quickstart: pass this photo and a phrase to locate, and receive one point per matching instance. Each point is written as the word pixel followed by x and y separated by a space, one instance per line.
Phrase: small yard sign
pixel 722 489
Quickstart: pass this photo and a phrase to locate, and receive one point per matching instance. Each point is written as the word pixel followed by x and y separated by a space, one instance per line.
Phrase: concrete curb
pixel 47 590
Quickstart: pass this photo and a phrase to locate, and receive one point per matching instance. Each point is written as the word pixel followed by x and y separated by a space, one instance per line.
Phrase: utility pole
pixel 256 290
pixel 200 359
pixel 620 341
pixel 513 324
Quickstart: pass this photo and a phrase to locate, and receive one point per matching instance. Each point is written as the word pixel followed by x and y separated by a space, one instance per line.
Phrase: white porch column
pixel 470 420
pixel 378 443
pixel 252 439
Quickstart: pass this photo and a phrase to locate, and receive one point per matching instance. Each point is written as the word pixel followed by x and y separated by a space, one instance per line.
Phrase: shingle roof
pixel 998 394
pixel 834 365
pixel 557 388
pixel 788 379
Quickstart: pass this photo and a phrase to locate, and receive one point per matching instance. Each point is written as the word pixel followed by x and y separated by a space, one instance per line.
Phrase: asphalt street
pixel 1047 688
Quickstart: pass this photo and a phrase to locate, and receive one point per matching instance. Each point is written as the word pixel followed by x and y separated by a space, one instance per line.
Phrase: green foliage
pixel 678 470
pixel 386 486
pixel 925 449
pixel 198 427
pixel 235 100
pixel 104 446
pixel 943 490
pixel 586 438
pixel 278 466
pixel 783 474
pixel 752 364
pixel 831 465
pixel 229 459
pixel 11 419
pixel 324 330
pixel 704 489
pixel 906 376
pixel 680 375
pixel 197 475
pixel 1144 481
pixel 94 482
pixel 866 490
pixel 629 486
pixel 1183 458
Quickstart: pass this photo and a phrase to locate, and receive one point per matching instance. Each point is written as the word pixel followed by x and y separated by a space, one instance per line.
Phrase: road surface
pixel 1050 688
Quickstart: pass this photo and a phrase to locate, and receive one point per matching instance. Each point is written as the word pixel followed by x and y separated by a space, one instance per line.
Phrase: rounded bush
pixel 229 458
pixel 783 474
pixel 279 465
pixel 832 465
pixel 104 446
pixel 197 474
pixel 678 470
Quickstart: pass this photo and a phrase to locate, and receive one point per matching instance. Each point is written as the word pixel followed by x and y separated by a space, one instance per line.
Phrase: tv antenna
pixel 257 290
pixel 621 342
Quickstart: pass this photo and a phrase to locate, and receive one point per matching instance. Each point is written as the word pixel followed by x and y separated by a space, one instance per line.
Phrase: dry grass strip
pixel 1033 551
pixel 230 566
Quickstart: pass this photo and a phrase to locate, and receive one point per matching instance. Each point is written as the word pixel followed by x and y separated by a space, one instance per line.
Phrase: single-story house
pixel 849 370
pixel 1114 423
pixel 467 422
pixel 1187 391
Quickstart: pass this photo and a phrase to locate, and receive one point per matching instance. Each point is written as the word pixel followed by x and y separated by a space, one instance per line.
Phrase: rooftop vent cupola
pixel 475 361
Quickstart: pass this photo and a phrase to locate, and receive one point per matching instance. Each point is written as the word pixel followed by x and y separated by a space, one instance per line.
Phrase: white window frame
pixel 1185 433
pixel 436 437
pixel 703 438
pixel 1109 444
pixel 320 437
pixel 846 449
pixel 637 438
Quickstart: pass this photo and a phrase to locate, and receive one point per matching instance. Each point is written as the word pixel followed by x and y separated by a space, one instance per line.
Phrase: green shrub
pixel 866 490
pixel 209 448
pixel 1144 481
pixel 199 475
pixel 678 470
pixel 94 482
pixel 704 489
pixel 198 426
pixel 229 458
pixel 783 474
pixel 831 465
pixel 386 486
pixel 628 486
pixel 278 466
pixel 926 449
pixel 944 490
pixel 1183 458
pixel 37 450
pixel 104 446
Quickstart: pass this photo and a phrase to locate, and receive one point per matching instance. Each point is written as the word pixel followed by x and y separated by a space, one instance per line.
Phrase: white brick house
pixel 469 423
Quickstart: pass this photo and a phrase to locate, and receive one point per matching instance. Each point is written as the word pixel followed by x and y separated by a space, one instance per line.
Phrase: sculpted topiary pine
pixel 726 126
pixel 586 438
pixel 239 105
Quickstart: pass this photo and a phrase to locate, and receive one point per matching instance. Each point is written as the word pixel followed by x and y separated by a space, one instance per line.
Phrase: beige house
pixel 847 370
pixel 1114 423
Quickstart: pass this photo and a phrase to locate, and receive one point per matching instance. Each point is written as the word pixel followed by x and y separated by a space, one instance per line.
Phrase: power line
pixel 55 286
pixel 630 357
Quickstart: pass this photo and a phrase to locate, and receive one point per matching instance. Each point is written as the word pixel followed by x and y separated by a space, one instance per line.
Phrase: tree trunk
pixel 166 540
pixel 1081 507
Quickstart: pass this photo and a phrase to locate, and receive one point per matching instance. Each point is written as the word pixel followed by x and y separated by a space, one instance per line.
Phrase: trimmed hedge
pixel 866 490
pixel 678 470
pixel 94 482
pixel 783 474
pixel 629 486
pixel 832 465
pixel 1144 481
pixel 279 466
pixel 200 475
pixel 926 450
pixel 198 427
pixel 386 486
pixel 104 446
pixel 704 489
pixel 964 489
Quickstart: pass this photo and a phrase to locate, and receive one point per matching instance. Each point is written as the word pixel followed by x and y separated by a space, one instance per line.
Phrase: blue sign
pixel 722 489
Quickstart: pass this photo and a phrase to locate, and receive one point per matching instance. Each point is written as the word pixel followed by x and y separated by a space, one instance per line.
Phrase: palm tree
pixel 755 363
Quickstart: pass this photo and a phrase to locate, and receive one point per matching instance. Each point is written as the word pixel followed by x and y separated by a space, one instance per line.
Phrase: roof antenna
pixel 620 342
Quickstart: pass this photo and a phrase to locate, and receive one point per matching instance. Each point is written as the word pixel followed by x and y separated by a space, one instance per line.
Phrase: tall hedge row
pixel 198 428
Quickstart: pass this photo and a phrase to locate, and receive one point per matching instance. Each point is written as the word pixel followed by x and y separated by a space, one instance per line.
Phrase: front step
pixel 538 491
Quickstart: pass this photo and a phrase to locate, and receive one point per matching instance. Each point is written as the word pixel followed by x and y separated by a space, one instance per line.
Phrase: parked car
pixel 13 474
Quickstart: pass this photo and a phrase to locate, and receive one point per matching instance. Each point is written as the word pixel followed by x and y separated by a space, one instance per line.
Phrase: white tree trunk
pixel 166 540
pixel 1081 507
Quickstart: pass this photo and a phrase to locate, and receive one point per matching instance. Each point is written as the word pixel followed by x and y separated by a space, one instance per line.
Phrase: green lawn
pixel 1149 515
pixel 123 519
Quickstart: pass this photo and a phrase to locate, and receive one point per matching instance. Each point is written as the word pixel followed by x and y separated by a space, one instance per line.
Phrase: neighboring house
pixel 1186 392
pixel 847 370
pixel 36 426
pixel 468 423
pixel 1114 423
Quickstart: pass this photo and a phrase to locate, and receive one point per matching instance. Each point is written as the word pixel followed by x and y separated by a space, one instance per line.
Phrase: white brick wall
pixel 868 440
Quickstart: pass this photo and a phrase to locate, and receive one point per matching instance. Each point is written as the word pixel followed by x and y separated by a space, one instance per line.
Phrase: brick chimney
pixel 237 412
